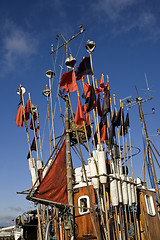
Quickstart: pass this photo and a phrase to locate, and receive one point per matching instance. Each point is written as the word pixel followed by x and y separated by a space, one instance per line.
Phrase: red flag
pixel 87 120
pixel 104 133
pixel 101 84
pixel 87 89
pixel 27 110
pixel 19 116
pixel 54 185
pixel 68 81
pixel 79 118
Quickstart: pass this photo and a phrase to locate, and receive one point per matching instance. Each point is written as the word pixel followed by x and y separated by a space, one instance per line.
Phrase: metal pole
pixel 54 141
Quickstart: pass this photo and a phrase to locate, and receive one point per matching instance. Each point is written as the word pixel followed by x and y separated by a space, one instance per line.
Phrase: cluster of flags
pixel 20 119
pixel 92 96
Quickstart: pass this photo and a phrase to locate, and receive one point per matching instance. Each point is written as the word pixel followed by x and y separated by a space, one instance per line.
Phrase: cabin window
pixel 150 205
pixel 83 203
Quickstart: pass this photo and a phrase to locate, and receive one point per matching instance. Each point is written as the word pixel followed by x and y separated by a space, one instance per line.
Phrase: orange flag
pixel 19 116
pixel 79 118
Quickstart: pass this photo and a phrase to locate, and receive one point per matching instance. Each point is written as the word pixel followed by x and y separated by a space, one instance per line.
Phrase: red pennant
pixel 104 133
pixel 27 110
pixel 68 81
pixel 19 116
pixel 87 119
pixel 101 84
pixel 79 118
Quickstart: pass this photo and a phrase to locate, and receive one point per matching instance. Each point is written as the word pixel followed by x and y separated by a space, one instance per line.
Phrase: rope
pixel 79 46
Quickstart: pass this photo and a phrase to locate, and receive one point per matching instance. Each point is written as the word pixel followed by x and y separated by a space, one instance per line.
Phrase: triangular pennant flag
pixel 33 147
pixel 125 125
pixel 68 81
pixel 106 105
pixel 117 120
pixel 101 84
pixel 111 135
pixel 91 100
pixel 84 68
pixel 104 133
pixel 87 89
pixel 19 116
pixel 27 110
pixel 79 118
pixel 87 118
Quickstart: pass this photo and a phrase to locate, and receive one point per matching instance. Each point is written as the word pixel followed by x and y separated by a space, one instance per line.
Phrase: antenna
pixel 147 85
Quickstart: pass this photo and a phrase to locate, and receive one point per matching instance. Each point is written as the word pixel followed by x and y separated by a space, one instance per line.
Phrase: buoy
pixel 102 167
pixel 32 163
pixel 39 164
pixel 133 193
pixel 129 191
pixel 119 189
pixel 113 190
pixel 124 190
pixel 33 175
pixel 93 172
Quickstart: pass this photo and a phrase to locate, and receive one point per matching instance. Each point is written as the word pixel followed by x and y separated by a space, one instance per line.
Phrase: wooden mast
pixel 148 147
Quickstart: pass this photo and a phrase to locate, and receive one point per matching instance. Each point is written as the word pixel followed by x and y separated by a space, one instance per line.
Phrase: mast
pixel 148 147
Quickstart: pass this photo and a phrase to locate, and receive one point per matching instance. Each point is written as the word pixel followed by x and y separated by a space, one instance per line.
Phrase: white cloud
pixel 123 16
pixel 14 208
pixel 17 44
pixel 113 8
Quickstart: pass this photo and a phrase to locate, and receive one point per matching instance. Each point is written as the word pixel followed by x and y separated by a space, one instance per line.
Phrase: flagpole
pixel 40 143
pixel 50 75
pixel 126 148
pixel 119 143
pixel 38 159
pixel 46 93
pixel 33 122
pixel 94 115
pixel 130 147
pixel 90 121
pixel 98 134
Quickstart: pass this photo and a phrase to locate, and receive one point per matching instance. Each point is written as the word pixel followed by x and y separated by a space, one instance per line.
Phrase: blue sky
pixel 127 37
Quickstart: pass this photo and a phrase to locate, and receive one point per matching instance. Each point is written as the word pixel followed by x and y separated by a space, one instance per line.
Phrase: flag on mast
pixel 84 68
pixel 19 117
pixel 79 118
pixel 68 81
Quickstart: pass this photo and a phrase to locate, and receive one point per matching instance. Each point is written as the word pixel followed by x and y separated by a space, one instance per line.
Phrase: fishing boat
pixel 100 199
